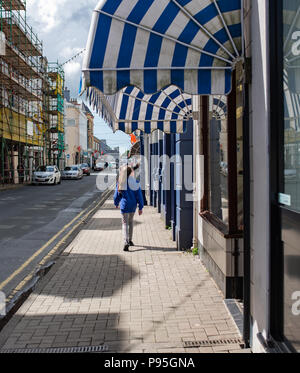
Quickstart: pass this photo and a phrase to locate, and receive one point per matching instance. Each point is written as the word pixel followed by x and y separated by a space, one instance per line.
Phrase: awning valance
pixel 219 107
pixel 151 44
pixel 135 150
pixel 130 110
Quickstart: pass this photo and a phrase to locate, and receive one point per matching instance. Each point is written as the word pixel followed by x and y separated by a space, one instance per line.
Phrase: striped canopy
pixel 152 44
pixel 131 110
pixel 135 150
pixel 219 109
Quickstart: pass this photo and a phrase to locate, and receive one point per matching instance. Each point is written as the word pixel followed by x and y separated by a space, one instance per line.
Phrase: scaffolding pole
pixel 25 135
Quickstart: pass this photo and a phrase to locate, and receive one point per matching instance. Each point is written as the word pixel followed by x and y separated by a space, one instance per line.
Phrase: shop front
pixel 285 176
pixel 145 64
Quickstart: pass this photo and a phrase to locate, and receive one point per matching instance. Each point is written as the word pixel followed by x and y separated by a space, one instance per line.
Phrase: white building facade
pixel 76 127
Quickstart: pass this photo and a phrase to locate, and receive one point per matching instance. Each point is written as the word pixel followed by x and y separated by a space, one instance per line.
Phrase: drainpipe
pixel 147 165
pixel 197 139
pixel 236 256
pixel 247 221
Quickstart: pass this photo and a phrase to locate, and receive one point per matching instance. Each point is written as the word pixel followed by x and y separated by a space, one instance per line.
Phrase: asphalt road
pixel 33 215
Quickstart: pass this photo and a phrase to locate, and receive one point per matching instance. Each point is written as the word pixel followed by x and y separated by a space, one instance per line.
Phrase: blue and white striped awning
pixel 219 107
pixel 152 44
pixel 130 110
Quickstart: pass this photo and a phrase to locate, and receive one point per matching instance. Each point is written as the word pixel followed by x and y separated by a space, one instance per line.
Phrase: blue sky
pixel 63 26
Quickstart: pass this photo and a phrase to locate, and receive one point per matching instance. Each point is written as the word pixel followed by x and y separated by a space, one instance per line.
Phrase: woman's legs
pixel 128 222
pixel 131 225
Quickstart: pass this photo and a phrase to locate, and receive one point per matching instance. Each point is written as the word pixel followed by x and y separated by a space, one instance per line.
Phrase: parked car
pixel 86 169
pixel 47 175
pixel 99 166
pixel 72 173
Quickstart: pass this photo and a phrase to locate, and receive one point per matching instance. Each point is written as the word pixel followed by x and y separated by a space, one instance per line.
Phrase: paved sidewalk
pixel 152 299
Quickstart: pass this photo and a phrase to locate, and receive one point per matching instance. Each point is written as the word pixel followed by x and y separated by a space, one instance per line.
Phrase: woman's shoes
pixel 126 247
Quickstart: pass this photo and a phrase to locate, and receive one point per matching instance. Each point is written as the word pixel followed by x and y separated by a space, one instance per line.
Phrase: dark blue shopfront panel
pixel 151 173
pixel 154 174
pixel 160 168
pixel 184 191
pixel 173 187
pixel 166 191
pixel 143 175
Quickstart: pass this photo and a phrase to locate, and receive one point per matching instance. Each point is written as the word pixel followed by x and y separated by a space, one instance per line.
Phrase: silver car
pixel 47 175
pixel 72 173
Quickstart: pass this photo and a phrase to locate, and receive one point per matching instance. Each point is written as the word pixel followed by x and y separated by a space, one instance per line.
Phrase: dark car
pixel 86 169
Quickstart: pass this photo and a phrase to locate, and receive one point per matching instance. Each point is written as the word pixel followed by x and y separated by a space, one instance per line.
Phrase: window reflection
pixel 291 81
pixel 292 102
pixel 218 135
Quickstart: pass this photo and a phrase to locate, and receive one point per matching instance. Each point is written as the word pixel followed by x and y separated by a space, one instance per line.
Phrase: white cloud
pixel 73 68
pixel 46 11
pixel 63 26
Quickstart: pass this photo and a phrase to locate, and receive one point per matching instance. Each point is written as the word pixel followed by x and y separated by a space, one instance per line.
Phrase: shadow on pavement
pixel 84 276
pixel 137 248
pixel 67 330
pixel 63 309
pixel 102 224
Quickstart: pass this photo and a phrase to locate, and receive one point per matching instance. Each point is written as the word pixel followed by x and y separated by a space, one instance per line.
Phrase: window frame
pixel 230 230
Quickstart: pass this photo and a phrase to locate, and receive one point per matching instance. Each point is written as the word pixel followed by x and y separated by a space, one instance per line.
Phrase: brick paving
pixel 150 300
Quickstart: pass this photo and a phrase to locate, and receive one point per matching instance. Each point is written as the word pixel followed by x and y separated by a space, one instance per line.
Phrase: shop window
pixel 223 153
pixel 218 150
pixel 290 172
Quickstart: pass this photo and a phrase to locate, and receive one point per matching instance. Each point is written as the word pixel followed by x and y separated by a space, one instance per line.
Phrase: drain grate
pixel 212 343
pixel 63 350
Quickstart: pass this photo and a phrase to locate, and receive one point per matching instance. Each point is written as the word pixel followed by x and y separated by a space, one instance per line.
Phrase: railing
pixel 30 86
pixel 16 19
pixel 32 61
pixel 9 4
pixel 15 176
pixel 19 106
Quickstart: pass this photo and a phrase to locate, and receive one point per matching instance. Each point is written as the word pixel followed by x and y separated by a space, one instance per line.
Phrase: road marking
pixel 44 260
pixel 24 265
pixel 7 226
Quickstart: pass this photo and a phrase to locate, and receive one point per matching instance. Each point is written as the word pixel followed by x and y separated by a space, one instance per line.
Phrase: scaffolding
pixel 56 78
pixel 25 137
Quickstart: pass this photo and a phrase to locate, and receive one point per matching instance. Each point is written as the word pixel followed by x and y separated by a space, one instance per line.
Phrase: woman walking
pixel 128 196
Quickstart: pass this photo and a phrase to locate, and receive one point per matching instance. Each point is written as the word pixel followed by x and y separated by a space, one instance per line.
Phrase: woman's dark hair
pixel 129 171
pixel 136 167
